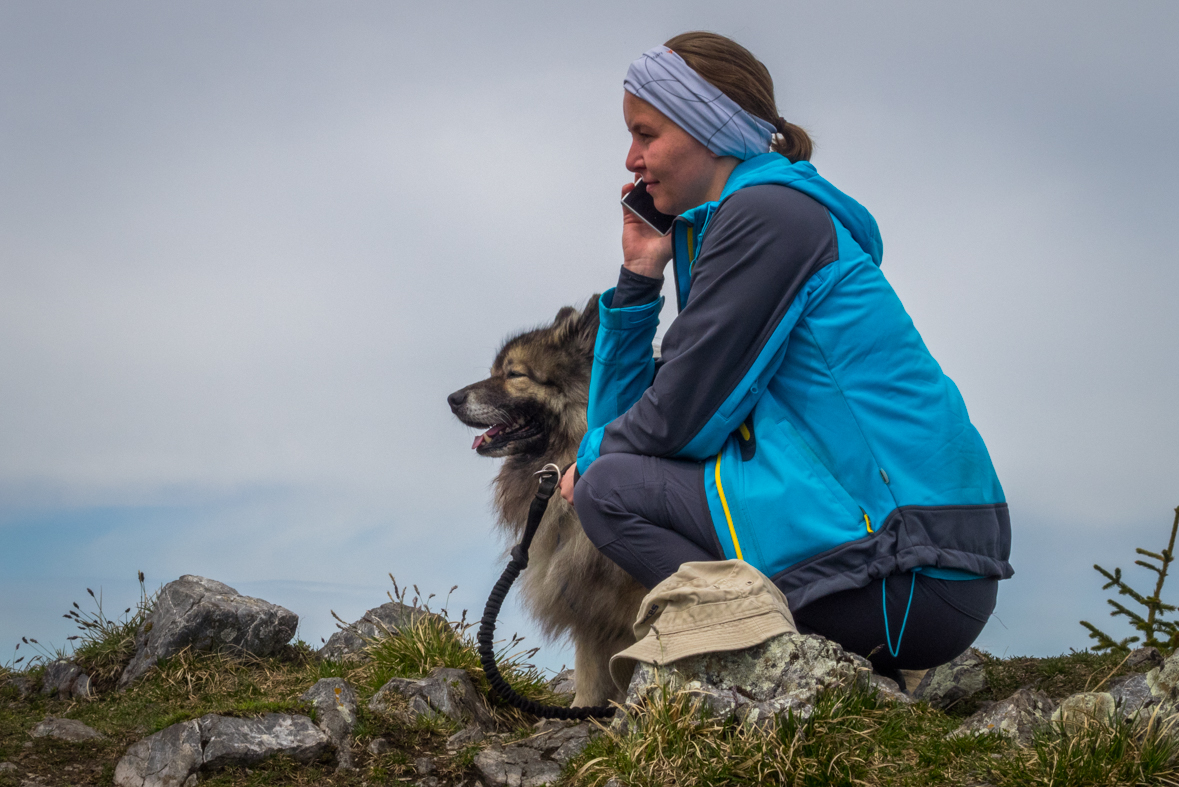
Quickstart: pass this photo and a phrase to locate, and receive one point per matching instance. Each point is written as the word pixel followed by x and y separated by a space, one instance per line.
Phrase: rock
pixel 206 615
pixel 784 673
pixel 1016 717
pixel 379 746
pixel 175 756
pixel 170 758
pixel 953 682
pixel 887 688
pixel 7 767
pixel 21 684
pixel 64 730
pixel 65 680
pixel 1080 710
pixel 1164 681
pixel 444 692
pixel 468 736
pixel 244 742
pixel 535 760
pixel 348 643
pixel 424 765
pixel 335 714
pixel 1144 658
pixel 1132 694
pixel 563 683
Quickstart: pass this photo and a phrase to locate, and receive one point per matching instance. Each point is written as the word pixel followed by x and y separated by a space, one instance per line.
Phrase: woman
pixel 795 418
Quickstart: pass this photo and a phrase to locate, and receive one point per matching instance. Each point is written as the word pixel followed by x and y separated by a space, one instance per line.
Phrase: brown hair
pixel 735 71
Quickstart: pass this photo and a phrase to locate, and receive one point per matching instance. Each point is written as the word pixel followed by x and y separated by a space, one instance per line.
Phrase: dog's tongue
pixel 490 433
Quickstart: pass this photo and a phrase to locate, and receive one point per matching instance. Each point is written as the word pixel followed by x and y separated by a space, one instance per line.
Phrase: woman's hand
pixel 644 251
pixel 567 483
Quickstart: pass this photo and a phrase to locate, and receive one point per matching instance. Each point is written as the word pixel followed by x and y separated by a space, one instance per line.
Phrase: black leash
pixel 550 475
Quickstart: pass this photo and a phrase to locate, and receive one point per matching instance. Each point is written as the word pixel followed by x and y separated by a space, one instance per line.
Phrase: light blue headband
pixel 662 78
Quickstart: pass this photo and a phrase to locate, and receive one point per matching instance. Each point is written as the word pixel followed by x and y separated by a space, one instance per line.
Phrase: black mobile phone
pixel 639 202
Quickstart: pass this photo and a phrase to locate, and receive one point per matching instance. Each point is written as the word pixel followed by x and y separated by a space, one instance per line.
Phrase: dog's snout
pixel 457 399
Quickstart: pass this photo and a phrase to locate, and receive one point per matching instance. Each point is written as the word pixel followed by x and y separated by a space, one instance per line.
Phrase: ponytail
pixel 742 77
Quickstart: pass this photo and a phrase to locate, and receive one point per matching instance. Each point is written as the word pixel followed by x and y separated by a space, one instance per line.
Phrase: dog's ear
pixel 565 314
pixel 587 324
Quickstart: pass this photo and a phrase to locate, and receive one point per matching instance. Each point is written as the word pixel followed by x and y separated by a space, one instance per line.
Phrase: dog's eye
pixel 512 375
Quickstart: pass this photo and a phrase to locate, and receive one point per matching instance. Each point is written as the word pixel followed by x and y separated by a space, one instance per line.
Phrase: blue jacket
pixel 836 451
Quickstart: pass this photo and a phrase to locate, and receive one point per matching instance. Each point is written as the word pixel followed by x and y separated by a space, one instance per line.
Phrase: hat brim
pixel 714 638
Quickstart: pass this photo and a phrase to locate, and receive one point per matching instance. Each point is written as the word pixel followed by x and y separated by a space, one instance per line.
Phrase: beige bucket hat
pixel 705 607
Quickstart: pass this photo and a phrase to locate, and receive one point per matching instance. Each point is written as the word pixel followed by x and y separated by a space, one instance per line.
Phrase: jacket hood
pixel 774 168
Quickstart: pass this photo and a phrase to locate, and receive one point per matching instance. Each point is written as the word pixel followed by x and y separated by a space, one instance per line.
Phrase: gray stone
pixel 784 673
pixel 175 756
pixel 1163 681
pixel 23 685
pixel 1132 695
pixel 379 746
pixel 536 760
pixel 1147 657
pixel 1016 717
pixel 467 736
pixel 887 688
pixel 424 765
pixel 232 742
pixel 66 680
pixel 563 683
pixel 951 683
pixel 335 713
pixel 206 615
pixel 348 643
pixel 444 692
pixel 7 767
pixel 1083 709
pixel 170 758
pixel 64 730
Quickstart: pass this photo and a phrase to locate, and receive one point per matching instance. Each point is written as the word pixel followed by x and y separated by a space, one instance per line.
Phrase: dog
pixel 533 411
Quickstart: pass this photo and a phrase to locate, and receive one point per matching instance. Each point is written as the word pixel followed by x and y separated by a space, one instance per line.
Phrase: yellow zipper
pixel 725 505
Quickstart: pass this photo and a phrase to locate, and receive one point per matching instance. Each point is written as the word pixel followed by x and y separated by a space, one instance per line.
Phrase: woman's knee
pixel 595 496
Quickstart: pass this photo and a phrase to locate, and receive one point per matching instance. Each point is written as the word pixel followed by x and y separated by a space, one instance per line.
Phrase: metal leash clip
pixel 546 470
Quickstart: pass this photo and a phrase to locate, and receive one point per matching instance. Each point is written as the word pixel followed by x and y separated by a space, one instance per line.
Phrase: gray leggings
pixel 650 515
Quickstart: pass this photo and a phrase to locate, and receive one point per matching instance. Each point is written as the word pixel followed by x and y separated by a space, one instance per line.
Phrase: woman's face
pixel 680 173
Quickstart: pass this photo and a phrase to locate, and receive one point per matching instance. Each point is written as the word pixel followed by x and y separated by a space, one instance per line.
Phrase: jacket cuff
pixel 635 289
pixel 627 317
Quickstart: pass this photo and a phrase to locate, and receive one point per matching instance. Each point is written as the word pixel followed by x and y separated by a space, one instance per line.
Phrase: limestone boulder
pixel 348 643
pixel 180 754
pixel 536 760
pixel 563 682
pixel 785 673
pixel 335 714
pixel 1017 717
pixel 206 615
pixel 1163 682
pixel 230 742
pixel 953 682
pixel 1144 658
pixel 65 680
pixel 1133 696
pixel 444 692
pixel 1080 710
pixel 170 758
pixel 64 730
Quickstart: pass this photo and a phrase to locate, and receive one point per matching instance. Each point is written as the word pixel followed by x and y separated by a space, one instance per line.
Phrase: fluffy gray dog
pixel 532 409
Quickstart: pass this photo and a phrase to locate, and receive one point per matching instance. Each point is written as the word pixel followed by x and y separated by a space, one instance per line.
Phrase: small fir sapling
pixel 1159 633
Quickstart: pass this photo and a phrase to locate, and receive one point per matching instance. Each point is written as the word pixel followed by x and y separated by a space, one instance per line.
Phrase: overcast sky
pixel 247 249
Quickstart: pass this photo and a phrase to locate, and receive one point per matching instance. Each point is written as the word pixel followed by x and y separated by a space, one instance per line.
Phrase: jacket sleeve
pixel 624 363
pixel 763 244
